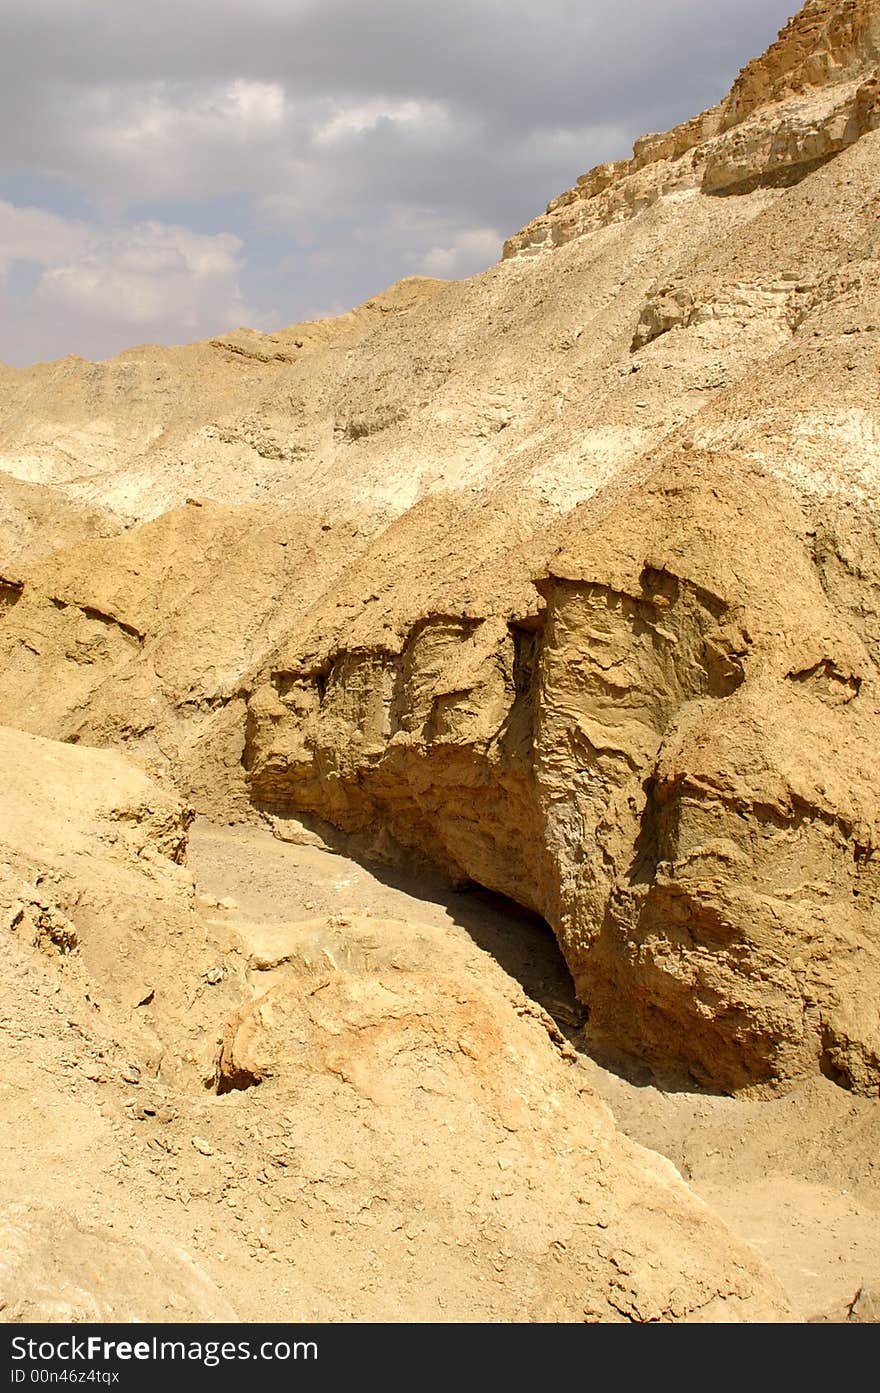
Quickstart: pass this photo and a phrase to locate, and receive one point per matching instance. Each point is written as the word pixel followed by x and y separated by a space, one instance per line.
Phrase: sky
pixel 171 169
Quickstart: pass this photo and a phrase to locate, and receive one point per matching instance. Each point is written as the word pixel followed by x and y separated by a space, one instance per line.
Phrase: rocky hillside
pixel 562 582
pixel 131 1000
pixel 813 94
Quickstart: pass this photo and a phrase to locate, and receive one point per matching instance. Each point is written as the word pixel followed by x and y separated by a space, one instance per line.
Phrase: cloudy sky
pixel 172 168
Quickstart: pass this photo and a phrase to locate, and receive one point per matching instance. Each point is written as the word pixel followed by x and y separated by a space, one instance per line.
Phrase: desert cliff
pixel 559 583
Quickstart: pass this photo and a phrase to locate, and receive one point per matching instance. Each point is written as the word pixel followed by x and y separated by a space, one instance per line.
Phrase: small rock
pixel 203 1146
pixel 865 1309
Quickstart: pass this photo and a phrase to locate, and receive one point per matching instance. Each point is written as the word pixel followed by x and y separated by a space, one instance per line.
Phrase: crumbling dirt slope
pixel 378 1121
pixel 123 436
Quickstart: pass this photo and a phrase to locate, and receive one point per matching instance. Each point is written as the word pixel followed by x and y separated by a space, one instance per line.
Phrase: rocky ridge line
pixel 812 94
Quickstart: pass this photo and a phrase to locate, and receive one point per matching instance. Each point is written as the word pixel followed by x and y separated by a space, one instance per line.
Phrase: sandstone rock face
pixel 715 787
pixel 172 615
pixel 815 92
pixel 671 763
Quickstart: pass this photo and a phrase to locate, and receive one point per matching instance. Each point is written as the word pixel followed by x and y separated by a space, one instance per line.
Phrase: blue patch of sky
pixel 33 190
pixel 21 279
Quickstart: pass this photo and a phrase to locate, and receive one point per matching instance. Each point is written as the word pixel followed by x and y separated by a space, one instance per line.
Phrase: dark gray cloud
pixel 572 61
pixel 342 142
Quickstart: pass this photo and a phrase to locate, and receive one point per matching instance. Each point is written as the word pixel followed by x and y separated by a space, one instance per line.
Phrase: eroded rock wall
pixel 810 96
pixel 670 763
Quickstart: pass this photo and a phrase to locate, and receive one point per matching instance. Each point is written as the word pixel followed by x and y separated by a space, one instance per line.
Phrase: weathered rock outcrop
pixel 376 1031
pixel 812 94
pixel 151 634
pixel 129 439
pixel 671 762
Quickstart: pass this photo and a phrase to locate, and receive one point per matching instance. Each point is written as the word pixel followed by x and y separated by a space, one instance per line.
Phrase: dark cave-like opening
pixel 525 946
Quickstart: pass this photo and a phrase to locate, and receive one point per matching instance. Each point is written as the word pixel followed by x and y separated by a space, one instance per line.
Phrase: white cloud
pixel 463 253
pixel 34 235
pixel 162 140
pixel 158 140
pixel 144 275
pixel 360 118
pixel 147 280
pixel 345 143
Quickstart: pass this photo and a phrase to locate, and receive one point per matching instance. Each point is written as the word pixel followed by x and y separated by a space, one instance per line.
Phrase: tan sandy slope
pixel 377 1108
